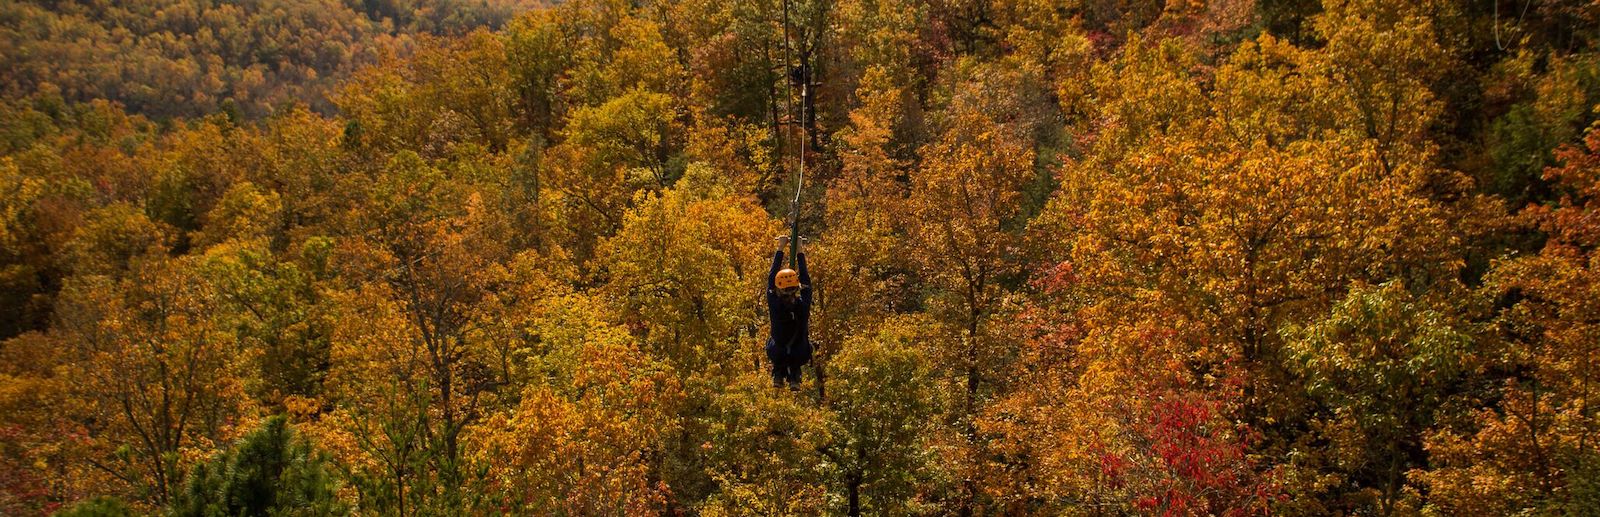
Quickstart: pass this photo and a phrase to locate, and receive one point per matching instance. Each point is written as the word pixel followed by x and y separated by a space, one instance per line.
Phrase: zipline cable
pixel 799 187
pixel 788 101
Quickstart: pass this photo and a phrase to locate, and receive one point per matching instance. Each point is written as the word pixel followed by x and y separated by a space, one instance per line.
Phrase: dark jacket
pixel 791 318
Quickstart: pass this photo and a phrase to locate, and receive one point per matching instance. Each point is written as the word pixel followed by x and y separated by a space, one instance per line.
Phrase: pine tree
pixel 270 472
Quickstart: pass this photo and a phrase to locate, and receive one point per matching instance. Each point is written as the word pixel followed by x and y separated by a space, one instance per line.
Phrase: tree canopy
pixel 1088 257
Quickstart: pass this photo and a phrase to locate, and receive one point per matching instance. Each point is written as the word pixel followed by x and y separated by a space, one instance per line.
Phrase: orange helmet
pixel 787 278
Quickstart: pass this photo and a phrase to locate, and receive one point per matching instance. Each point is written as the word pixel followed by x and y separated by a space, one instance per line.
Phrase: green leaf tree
pixel 273 471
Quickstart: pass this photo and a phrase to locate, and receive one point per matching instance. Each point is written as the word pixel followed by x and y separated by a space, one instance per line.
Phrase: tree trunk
pixel 854 490
pixel 822 389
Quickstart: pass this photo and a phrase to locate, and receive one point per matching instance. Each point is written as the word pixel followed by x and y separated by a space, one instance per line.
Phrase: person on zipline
pixel 789 311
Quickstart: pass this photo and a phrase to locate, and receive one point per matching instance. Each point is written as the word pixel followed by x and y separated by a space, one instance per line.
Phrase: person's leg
pixel 798 359
pixel 792 374
pixel 776 359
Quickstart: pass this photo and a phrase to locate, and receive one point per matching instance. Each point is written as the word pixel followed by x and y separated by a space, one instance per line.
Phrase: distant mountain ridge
pixel 167 58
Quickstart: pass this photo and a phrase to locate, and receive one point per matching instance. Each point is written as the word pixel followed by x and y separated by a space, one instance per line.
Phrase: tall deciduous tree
pixel 1217 205
pixel 884 397
pixel 422 255
pixel 687 267
pixel 157 368
pixel 1383 362
pixel 592 422
pixel 760 451
pixel 1536 450
pixel 964 230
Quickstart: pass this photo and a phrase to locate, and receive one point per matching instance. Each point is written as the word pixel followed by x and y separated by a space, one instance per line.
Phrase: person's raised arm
pixel 805 273
pixel 777 262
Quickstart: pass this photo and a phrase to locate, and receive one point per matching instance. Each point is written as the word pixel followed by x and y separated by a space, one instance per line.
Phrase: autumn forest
pixel 1068 257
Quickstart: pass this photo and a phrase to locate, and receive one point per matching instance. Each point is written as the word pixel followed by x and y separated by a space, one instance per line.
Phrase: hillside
pixel 164 58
